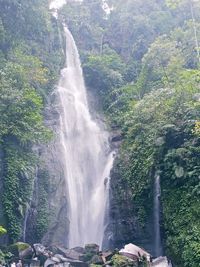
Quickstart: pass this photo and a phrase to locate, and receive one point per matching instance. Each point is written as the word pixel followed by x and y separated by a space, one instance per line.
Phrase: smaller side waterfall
pixel 161 262
pixel 157 194
pixel 25 223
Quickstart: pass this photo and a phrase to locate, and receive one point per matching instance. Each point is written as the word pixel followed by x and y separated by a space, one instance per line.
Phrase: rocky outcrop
pixel 116 138
pixel 51 204
pixel 57 194
pixel 88 256
pixel 124 225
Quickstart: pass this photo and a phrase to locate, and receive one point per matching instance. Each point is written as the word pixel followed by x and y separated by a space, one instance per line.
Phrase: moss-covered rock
pixel 18 247
pixel 122 261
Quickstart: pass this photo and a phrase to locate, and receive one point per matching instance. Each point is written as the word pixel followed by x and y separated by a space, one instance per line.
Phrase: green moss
pixel 16 248
pixel 20 246
pixel 3 231
pixel 121 261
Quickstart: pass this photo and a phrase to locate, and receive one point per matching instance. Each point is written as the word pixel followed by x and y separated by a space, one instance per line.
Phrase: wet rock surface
pixel 124 226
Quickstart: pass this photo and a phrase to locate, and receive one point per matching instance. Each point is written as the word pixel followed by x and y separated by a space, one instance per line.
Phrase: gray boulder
pixel 96 259
pixel 73 254
pixel 92 248
pixel 27 253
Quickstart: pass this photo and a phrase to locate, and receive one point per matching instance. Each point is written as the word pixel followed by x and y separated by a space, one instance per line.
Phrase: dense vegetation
pixel 29 63
pixel 143 60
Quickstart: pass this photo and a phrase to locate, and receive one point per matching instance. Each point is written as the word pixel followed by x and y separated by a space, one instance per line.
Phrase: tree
pixel 193 4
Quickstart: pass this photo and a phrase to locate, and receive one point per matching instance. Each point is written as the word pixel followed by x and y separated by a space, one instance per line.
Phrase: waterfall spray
pixel 86 154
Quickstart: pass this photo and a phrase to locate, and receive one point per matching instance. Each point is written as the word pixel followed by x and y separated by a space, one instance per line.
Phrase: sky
pixel 56 4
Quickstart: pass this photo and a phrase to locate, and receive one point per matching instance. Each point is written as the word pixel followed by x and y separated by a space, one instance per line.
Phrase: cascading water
pixel 25 223
pixel 86 155
pixel 157 194
pixel 161 262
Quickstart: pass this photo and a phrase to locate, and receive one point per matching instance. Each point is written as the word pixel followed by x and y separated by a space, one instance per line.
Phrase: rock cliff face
pixel 125 227
pixel 51 170
pixel 57 196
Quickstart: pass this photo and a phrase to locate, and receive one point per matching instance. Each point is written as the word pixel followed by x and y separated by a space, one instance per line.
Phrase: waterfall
pixel 157 194
pixel 85 153
pixel 161 262
pixel 25 223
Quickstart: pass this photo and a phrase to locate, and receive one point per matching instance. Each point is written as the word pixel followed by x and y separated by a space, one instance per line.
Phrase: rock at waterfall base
pixel 19 249
pixel 134 252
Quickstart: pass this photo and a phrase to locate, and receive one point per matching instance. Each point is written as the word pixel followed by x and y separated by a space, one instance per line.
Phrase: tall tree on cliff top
pixel 192 5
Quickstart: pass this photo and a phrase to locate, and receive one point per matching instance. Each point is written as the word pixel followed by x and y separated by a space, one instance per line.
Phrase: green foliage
pixel 143 62
pixel 158 134
pixel 30 18
pixel 4 257
pixel 104 72
pixel 18 179
pixel 21 111
pixel 173 3
pixel 86 20
pixel 30 58
pixel 162 64
pixel 183 228
pixel 197 128
pixel 29 67
pixel 19 246
pixel 3 231
pixel 121 261
pixel 42 220
pixel 139 22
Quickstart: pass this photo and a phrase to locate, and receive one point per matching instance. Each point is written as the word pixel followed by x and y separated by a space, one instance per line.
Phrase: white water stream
pixel 86 154
pixel 161 262
pixel 157 195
